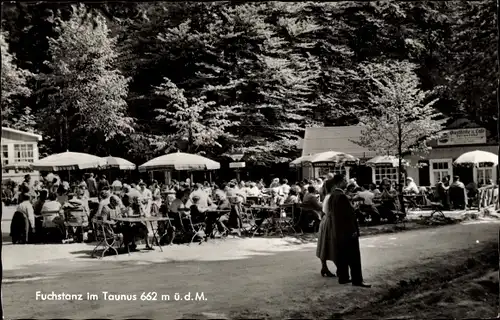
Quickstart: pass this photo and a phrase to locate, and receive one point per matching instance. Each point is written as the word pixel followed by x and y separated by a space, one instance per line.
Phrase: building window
pixel 324 171
pixel 388 172
pixel 440 169
pixel 5 156
pixel 23 153
pixel 484 174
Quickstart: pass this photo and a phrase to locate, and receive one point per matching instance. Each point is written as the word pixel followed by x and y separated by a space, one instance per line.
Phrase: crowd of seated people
pixel 47 205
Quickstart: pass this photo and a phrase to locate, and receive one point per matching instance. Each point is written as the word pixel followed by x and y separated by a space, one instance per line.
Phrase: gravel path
pixel 250 278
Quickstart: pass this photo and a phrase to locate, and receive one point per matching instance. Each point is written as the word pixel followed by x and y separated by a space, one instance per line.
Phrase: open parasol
pixel 385 160
pixel 118 163
pixel 69 161
pixel 180 161
pixel 477 157
pixel 325 157
pixel 18 166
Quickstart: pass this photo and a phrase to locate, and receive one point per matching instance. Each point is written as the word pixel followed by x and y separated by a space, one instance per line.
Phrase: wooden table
pixel 218 211
pixel 145 220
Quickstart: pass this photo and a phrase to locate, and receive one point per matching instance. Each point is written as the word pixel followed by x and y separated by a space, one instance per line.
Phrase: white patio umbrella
pixel 385 160
pixel 69 161
pixel 118 163
pixel 18 166
pixel 325 157
pixel 476 157
pixel 180 161
pixel 302 160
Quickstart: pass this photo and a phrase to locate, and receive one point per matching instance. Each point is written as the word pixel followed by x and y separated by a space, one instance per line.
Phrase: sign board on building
pixel 462 136
pixel 237 165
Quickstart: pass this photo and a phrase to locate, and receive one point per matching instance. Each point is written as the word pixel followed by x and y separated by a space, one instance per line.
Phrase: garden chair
pixel 106 238
pixel 53 226
pixel 76 222
pixel 287 218
pixel 198 230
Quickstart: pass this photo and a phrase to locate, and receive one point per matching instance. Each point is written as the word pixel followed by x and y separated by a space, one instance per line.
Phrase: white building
pixel 19 146
pixel 459 137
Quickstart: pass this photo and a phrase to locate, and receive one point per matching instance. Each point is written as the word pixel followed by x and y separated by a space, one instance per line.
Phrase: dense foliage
pixel 136 79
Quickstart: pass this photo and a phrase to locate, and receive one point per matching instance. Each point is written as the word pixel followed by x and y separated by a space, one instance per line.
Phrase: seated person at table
pixel 53 216
pixel 180 207
pixel 62 194
pixel 374 189
pixel 388 198
pixel 312 209
pixel 130 230
pixel 204 199
pixel 292 197
pixel 156 205
pixel 277 199
pixel 471 189
pixel 221 203
pixel 103 200
pixel 197 210
pixel 75 203
pixel 37 206
pixel 367 206
pixel 285 188
pixel 411 186
pixel 253 191
pixel 234 194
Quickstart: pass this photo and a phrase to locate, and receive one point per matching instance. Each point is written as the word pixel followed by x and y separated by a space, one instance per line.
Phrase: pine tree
pixel 86 93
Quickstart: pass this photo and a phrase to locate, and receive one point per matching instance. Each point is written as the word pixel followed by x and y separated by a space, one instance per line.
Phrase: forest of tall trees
pixel 135 79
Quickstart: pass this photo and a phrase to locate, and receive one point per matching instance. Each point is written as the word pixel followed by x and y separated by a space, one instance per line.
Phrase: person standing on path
pixel 326 250
pixel 341 240
pixel 92 185
pixel 327 186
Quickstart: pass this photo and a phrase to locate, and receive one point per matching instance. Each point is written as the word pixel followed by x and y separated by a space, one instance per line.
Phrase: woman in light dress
pixel 326 246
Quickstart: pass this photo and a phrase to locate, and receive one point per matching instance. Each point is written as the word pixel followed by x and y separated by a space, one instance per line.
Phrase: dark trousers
pixel 350 258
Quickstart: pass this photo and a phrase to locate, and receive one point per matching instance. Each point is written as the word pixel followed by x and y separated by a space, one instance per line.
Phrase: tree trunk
pixel 498 96
pixel 190 141
pixel 400 169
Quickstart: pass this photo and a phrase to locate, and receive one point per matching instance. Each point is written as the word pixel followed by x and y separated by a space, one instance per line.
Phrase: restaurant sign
pixel 237 165
pixel 462 136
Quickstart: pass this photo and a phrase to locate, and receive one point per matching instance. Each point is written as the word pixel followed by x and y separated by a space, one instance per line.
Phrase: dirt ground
pixel 470 290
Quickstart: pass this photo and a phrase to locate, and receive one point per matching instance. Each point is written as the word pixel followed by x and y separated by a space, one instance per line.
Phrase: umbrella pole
pixel 191 180
pixel 210 176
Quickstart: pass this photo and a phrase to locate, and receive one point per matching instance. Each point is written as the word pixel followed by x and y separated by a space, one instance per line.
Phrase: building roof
pixel 29 134
pixel 338 139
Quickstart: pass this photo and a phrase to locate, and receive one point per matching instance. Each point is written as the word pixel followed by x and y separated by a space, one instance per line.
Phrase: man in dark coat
pixel 327 186
pixel 346 236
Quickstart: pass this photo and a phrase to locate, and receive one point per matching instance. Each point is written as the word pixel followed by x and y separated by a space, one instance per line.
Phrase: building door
pixel 424 178
pixel 439 169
